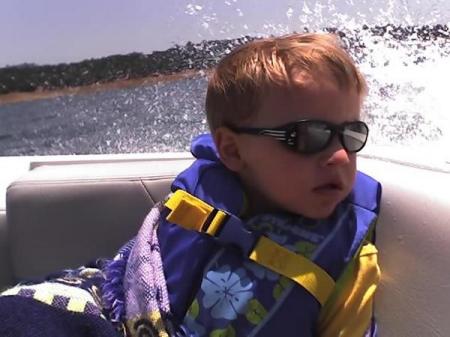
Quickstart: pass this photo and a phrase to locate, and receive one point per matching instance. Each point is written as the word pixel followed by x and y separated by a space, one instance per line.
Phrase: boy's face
pixel 277 178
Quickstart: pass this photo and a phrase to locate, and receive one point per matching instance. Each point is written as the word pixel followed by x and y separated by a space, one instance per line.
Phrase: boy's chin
pixel 319 213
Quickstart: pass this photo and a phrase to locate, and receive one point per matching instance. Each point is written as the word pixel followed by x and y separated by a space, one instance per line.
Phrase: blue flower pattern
pixel 231 283
pixel 226 293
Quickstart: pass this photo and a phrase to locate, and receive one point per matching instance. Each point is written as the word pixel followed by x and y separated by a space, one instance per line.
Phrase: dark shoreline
pixel 190 57
pixel 16 97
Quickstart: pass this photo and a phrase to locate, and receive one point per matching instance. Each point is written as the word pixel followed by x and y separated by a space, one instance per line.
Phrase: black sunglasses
pixel 312 136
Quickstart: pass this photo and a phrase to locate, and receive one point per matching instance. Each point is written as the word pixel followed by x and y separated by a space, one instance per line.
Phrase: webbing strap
pixel 295 267
pixel 192 213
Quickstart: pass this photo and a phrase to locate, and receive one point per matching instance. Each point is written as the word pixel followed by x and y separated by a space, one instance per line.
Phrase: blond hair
pixel 241 78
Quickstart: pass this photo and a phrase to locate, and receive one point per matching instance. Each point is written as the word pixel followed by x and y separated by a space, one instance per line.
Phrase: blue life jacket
pixel 214 290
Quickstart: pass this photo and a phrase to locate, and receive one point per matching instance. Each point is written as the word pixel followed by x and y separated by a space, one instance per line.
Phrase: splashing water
pixel 408 106
pixel 406 63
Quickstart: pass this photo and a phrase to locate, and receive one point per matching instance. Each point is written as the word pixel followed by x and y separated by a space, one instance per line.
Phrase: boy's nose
pixel 338 157
pixel 336 154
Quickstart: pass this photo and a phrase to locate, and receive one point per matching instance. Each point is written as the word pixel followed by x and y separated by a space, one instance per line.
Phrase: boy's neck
pixel 255 204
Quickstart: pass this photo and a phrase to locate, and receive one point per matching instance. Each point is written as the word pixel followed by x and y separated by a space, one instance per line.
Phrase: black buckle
pixel 233 232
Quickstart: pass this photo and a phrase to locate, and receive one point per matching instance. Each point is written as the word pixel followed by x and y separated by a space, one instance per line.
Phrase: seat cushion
pixel 64 216
pixel 5 263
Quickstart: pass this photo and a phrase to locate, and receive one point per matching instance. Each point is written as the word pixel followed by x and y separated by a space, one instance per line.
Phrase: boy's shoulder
pixel 208 179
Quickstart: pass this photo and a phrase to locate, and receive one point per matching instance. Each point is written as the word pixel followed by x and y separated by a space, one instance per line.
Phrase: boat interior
pixel 65 211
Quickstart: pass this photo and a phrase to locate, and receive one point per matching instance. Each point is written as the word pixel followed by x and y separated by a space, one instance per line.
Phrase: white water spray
pixel 407 107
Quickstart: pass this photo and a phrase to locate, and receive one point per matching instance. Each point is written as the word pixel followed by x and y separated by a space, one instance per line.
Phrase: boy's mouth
pixel 334 186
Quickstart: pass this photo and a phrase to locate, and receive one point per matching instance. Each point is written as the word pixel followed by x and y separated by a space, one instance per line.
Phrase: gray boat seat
pixel 63 216
pixel 5 265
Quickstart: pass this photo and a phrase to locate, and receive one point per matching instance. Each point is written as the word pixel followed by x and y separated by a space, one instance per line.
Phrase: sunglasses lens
pixel 354 136
pixel 312 136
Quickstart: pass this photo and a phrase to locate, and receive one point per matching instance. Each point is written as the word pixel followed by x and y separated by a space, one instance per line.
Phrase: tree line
pixel 30 77
pixel 203 55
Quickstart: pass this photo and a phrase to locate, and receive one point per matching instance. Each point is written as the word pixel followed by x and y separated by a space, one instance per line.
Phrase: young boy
pixel 284 115
pixel 268 232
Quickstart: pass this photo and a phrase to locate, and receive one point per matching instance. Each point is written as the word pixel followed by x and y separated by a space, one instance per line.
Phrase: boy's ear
pixel 227 144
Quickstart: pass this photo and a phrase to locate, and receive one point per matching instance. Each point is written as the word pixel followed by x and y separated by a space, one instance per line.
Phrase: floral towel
pixel 135 290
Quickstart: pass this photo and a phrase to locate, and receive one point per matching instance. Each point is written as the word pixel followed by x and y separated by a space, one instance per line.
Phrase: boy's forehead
pixel 306 84
pixel 312 99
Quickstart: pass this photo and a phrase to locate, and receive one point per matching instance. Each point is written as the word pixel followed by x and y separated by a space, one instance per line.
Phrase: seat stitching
pixel 147 191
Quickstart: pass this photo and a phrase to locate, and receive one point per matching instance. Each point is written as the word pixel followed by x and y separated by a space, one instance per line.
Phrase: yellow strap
pixel 216 223
pixel 349 311
pixel 296 267
pixel 187 211
pixel 191 213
